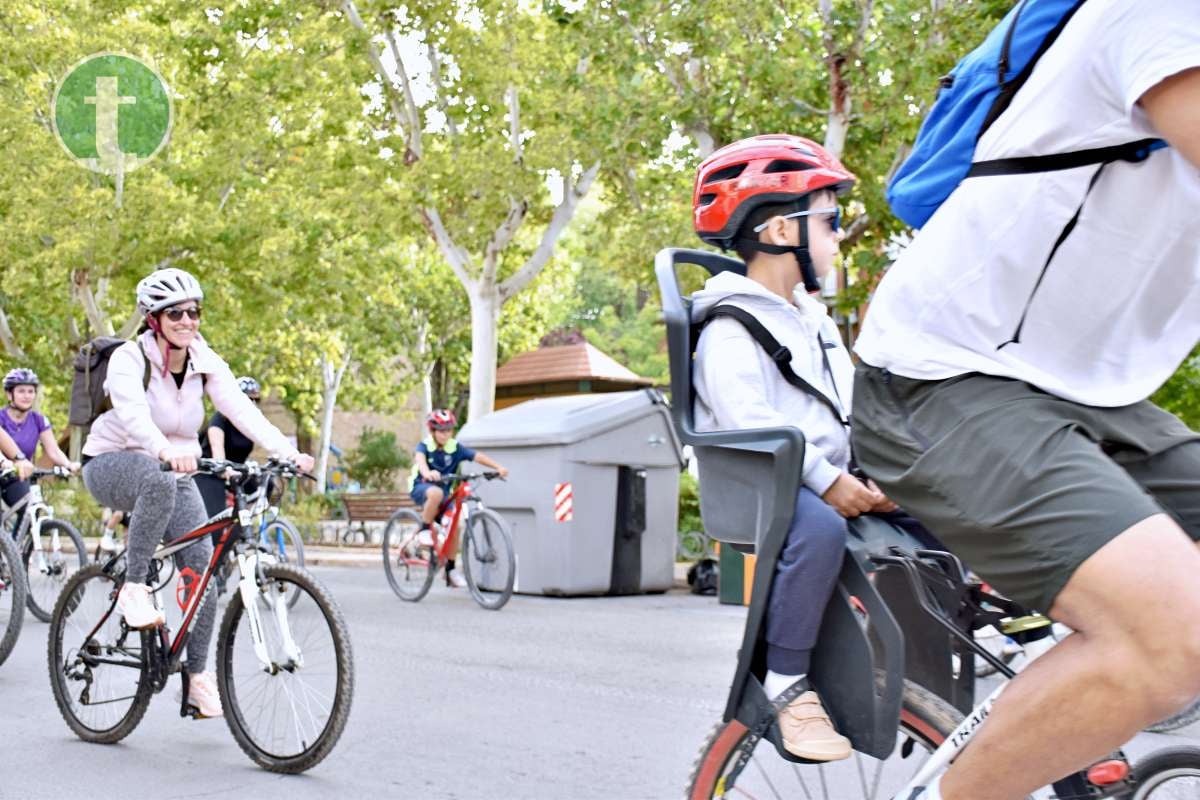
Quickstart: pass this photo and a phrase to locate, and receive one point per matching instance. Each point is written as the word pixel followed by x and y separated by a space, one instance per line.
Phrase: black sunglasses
pixel 176 314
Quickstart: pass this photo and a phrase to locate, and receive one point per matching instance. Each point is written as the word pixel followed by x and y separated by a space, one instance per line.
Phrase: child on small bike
pixel 774 199
pixel 436 459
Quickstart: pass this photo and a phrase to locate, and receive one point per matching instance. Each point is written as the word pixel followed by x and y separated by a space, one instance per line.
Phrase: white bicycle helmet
pixel 166 287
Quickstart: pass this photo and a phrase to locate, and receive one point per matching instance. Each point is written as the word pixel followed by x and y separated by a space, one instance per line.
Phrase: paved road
pixel 549 699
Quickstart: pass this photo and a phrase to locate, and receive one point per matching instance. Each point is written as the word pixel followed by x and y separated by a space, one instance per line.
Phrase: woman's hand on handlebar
pixel 24 468
pixel 184 463
pixel 304 462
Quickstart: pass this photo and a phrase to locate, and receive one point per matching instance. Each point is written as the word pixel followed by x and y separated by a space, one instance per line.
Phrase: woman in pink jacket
pixel 156 423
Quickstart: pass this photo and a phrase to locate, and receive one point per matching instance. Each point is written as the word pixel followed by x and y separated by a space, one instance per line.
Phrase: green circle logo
pixel 112 113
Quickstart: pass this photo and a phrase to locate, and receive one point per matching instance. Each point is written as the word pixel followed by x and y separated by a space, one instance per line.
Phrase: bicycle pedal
pixel 189 710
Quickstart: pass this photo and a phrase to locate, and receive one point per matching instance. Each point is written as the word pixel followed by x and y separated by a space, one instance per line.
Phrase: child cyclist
pixel 774 200
pixel 437 458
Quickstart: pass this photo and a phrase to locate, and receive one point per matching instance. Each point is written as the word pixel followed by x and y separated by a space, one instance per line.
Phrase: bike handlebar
pixel 218 467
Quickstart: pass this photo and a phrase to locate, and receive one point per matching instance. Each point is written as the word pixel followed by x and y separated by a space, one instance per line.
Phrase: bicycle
pixel 411 560
pixel 285 676
pixel 893 683
pixel 46 569
pixel 12 595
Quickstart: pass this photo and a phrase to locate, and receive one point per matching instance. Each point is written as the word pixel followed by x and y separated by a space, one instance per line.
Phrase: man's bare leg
pixel 1135 607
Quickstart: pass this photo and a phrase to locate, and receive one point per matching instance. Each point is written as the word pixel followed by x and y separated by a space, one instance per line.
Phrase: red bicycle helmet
pixel 441 419
pixel 773 168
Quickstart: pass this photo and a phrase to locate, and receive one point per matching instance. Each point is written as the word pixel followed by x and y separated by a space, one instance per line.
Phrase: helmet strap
pixel 808 272
pixel 154 325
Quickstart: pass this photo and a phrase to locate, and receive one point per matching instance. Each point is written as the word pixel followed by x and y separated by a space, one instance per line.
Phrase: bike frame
pixel 460 498
pixel 234 527
pixel 36 512
pixel 1074 785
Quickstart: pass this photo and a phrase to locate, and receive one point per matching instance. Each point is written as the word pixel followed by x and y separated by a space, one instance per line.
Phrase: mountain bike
pixel 411 555
pixel 285 675
pixel 39 537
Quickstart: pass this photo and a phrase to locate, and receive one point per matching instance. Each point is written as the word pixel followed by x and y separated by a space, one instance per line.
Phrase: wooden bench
pixel 364 507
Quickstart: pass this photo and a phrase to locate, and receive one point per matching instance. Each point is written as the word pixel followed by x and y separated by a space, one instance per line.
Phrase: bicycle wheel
pixel 408 564
pixel 925 721
pixel 1188 716
pixel 489 564
pixel 12 595
pixel 287 716
pixel 284 542
pixel 47 572
pixel 1171 774
pixel 97 665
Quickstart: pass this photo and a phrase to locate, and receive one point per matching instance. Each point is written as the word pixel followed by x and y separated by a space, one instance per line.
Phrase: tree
pixel 506 84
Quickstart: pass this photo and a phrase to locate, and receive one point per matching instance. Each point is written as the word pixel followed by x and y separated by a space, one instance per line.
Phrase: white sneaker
pixel 425 537
pixel 139 610
pixel 203 695
pixel 107 543
pixel 455 579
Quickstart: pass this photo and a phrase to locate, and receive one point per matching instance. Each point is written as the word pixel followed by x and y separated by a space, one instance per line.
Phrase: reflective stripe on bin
pixel 564 503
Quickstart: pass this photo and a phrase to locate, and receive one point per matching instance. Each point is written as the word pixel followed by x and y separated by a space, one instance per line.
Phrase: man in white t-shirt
pixel 1007 358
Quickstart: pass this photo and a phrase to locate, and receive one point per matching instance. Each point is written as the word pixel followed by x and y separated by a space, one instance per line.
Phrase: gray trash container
pixel 592 492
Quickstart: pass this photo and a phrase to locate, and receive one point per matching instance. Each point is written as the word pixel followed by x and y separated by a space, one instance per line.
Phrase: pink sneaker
pixel 203 695
pixel 139 610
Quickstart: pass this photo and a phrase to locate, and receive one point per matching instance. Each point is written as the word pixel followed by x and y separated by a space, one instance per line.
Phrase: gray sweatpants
pixel 164 506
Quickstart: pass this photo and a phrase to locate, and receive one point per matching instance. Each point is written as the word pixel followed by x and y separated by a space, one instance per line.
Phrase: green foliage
pixel 689 503
pixel 378 460
pixel 1181 394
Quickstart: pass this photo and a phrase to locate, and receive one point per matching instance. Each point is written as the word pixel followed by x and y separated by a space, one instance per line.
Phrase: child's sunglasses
pixel 835 221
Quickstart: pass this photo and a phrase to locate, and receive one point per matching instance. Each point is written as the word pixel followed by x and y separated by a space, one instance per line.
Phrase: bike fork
pixel 249 590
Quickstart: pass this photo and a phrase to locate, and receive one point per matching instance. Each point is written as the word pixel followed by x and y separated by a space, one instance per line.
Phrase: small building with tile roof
pixel 576 368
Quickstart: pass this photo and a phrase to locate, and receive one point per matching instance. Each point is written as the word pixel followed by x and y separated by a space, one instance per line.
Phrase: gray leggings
pixel 164 507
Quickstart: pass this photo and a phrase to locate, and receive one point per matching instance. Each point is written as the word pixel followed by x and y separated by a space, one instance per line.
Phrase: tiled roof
pixel 571 362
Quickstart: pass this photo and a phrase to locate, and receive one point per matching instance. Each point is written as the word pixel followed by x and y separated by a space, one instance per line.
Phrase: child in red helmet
pixel 437 457
pixel 774 199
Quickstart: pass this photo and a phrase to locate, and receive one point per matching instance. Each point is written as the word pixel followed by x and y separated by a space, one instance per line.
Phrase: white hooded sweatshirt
pixel 738 385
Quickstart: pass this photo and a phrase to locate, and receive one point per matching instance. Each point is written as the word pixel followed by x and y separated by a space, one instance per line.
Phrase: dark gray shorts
pixel 1022 485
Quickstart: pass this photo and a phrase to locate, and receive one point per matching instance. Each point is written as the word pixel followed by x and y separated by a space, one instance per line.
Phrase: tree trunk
pixel 426 369
pixel 332 381
pixel 485 318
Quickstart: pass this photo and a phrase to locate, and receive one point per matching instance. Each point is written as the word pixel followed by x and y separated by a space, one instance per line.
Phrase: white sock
pixel 777 684
pixel 933 789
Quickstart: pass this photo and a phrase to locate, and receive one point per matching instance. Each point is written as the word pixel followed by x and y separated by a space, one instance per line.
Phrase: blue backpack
pixel 973 96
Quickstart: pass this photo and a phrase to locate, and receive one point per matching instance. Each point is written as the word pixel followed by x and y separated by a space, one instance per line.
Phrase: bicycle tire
pixel 404 559
pixel 293 552
pixel 342 694
pixel 925 719
pixel 69 601
pixel 489 562
pixel 36 597
pixel 1184 718
pixel 12 595
pixel 1171 764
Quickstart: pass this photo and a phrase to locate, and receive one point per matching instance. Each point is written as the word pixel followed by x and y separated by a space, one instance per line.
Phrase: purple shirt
pixel 26 433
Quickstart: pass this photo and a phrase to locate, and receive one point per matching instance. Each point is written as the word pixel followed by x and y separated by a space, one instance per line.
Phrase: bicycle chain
pixel 746 748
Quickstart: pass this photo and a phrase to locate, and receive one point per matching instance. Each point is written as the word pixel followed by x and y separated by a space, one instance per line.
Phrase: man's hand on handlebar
pixel 850 497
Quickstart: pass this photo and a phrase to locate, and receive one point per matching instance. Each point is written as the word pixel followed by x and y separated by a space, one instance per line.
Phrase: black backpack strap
pixel 781 355
pixel 1021 165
